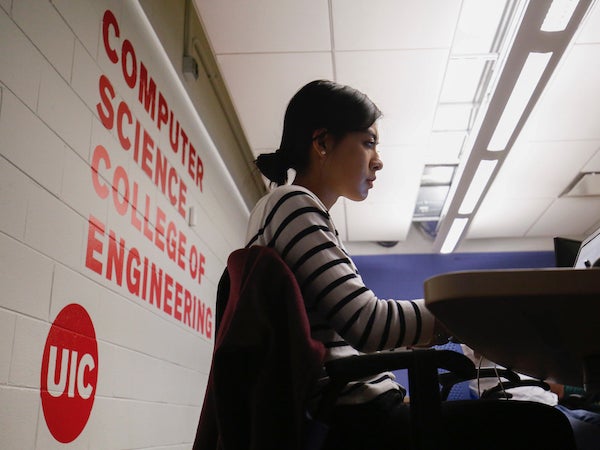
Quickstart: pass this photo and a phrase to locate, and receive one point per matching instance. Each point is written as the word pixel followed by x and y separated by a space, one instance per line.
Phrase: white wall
pixel 144 386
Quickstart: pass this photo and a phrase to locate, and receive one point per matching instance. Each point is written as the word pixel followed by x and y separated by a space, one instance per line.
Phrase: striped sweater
pixel 343 313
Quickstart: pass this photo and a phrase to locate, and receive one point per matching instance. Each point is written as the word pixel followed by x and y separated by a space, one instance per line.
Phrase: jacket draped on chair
pixel 264 359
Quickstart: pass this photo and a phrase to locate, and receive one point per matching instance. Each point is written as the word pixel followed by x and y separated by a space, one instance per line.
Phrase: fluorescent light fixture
pixel 513 110
pixel 558 15
pixel 478 183
pixel 456 230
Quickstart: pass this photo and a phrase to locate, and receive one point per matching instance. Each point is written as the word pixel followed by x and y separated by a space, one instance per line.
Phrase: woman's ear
pixel 319 141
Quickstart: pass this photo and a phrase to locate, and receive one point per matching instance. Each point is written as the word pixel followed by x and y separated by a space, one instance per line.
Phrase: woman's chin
pixel 359 197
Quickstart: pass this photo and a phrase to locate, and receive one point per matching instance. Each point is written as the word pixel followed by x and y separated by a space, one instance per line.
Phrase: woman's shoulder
pixel 291 193
pixel 277 205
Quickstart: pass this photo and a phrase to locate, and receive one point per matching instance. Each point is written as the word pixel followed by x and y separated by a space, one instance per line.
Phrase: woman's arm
pixel 301 230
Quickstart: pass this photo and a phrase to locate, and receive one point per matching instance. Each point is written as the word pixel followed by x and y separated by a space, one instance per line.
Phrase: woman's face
pixel 351 164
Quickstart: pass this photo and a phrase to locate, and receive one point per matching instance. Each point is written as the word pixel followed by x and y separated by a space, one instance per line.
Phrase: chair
pixel 265 364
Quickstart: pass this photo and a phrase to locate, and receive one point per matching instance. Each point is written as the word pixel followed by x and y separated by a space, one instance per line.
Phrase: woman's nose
pixel 377 163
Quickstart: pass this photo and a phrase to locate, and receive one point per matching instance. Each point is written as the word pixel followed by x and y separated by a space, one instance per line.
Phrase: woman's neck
pixel 327 197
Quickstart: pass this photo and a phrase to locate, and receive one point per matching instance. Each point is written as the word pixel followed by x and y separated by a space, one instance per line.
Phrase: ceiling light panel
pixel 558 15
pixel 480 181
pixel 453 117
pixel 530 75
pixel 477 26
pixel 434 175
pixel 453 236
pixel 462 79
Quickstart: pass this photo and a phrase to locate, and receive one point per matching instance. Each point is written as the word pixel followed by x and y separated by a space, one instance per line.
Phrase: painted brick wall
pixel 151 362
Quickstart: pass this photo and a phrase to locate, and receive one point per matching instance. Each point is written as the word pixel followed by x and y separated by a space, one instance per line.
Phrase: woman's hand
pixel 441 335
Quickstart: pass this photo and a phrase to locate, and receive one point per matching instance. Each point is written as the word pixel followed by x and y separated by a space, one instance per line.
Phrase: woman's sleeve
pixel 302 232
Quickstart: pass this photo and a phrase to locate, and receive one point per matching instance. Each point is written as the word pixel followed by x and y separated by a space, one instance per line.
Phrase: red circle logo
pixel 69 373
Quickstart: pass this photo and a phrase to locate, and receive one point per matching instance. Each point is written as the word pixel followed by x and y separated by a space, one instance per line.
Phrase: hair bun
pixel 274 166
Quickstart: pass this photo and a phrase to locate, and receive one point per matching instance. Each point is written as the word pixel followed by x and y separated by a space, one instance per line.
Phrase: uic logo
pixel 69 373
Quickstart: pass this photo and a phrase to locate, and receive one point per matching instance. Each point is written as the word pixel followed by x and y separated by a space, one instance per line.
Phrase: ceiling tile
pixel 453 117
pixel 574 89
pixel 462 79
pixel 506 216
pixel 386 214
pixel 593 165
pixel 591 29
pixel 393 24
pixel 378 221
pixel 240 26
pixel 444 147
pixel 400 182
pixel 568 217
pixel 584 185
pixel 404 84
pixel 262 85
pixel 543 169
pixel 477 27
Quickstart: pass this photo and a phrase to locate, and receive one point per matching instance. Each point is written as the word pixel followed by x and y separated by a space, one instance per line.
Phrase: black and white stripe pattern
pixel 344 314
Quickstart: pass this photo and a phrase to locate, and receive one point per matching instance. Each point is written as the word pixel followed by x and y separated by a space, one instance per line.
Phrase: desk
pixel 544 323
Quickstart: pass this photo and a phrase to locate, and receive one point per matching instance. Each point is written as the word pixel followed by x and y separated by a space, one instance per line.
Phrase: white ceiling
pixel 424 63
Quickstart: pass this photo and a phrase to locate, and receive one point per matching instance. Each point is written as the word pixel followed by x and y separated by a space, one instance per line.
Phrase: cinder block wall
pixel 107 291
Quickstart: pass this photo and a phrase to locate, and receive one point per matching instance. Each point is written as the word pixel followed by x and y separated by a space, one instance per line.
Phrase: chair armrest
pixel 422 365
pixel 360 366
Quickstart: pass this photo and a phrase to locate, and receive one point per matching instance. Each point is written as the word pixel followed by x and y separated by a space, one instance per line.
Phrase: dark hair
pixel 320 104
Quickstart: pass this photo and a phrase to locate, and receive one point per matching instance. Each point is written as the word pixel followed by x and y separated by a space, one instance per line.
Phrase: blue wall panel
pixel 402 276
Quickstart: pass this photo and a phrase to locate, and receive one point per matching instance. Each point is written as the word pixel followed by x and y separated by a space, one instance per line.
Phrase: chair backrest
pixel 265 362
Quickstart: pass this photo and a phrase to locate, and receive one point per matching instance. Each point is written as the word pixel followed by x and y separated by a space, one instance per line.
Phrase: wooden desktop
pixel 544 323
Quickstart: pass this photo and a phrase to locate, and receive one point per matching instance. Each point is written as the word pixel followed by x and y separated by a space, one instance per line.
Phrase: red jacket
pixel 264 361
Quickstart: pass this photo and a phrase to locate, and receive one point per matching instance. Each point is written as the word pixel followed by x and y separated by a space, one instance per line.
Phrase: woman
pixel 330 140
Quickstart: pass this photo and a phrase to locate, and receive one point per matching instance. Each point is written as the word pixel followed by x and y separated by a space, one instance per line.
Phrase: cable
pixel 506 394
